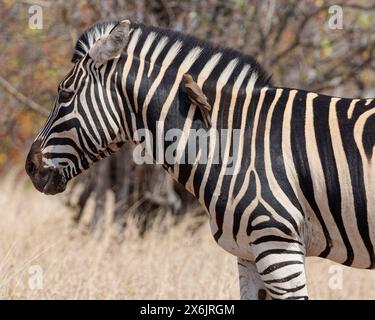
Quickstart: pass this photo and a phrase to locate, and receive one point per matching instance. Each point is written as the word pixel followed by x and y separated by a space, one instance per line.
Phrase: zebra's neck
pixel 151 82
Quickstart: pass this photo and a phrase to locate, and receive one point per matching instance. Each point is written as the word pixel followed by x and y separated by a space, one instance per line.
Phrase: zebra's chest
pixel 230 231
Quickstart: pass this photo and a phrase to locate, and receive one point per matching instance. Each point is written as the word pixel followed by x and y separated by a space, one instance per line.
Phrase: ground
pixel 44 256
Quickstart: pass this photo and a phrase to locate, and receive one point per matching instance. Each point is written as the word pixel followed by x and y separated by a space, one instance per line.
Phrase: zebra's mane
pixel 99 29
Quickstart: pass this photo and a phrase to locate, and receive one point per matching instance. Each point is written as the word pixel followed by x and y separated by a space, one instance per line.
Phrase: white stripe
pixel 318 180
pixel 368 169
pixel 202 77
pixel 100 106
pixel 273 183
pixel 316 244
pixel 82 99
pixel 228 218
pixel 122 108
pixel 221 82
pixel 249 94
pixel 171 55
pixel 189 60
pixel 108 89
pixel 146 47
pixel 353 104
pixel 160 46
pixel 129 60
pixel 368 102
pixel 347 200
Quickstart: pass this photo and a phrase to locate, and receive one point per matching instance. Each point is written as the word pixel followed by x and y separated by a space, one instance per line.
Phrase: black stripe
pixel 357 176
pixel 275 238
pixel 260 210
pixel 276 151
pixel 266 191
pixel 321 107
pixel 279 265
pixel 289 290
pixel 277 251
pixel 285 279
pixel 301 163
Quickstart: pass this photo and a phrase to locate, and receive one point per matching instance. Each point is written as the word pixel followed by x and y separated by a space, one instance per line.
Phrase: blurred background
pixel 292 39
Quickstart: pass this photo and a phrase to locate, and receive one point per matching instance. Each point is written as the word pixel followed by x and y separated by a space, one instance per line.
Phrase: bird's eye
pixel 65 96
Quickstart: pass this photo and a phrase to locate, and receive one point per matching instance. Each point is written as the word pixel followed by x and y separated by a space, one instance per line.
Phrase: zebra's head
pixel 82 127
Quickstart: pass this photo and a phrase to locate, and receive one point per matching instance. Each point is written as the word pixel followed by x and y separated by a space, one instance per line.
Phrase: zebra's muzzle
pixel 56 182
pixel 48 180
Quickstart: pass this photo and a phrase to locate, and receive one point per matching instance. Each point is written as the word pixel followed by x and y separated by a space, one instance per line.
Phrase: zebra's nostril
pixel 30 168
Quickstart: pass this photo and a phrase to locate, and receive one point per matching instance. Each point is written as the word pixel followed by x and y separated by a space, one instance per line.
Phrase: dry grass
pixel 169 263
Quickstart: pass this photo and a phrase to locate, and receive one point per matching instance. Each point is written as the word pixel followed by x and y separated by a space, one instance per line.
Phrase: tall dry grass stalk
pixel 44 256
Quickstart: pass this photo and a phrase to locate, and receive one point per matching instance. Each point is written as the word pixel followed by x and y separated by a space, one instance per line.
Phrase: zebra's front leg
pixel 281 266
pixel 251 284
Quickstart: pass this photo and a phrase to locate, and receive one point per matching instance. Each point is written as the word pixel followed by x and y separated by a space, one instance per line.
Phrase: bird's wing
pixel 202 101
pixel 196 95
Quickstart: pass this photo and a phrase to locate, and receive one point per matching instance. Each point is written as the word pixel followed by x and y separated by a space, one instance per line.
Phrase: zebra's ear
pixel 111 45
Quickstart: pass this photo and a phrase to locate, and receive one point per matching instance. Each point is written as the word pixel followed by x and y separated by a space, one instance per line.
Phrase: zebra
pixel 303 182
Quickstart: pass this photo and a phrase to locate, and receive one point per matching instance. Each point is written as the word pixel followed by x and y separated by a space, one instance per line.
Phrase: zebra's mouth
pixel 49 180
pixel 56 182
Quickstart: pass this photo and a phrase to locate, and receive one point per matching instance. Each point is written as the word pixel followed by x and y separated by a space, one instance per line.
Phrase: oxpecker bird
pixel 198 98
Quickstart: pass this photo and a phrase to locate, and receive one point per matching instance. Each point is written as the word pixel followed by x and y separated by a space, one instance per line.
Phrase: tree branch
pixel 22 98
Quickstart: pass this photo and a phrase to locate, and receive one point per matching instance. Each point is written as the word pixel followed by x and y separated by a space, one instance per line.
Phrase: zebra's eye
pixel 65 96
